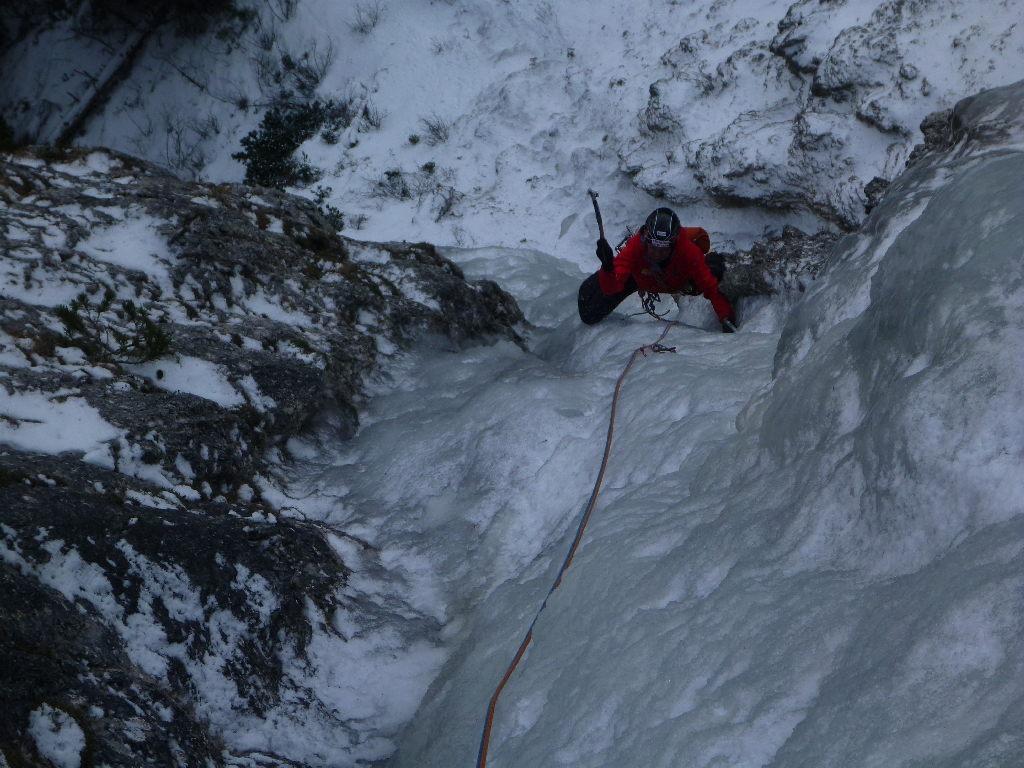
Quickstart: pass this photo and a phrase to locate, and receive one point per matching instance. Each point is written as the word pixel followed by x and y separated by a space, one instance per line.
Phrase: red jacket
pixel 687 264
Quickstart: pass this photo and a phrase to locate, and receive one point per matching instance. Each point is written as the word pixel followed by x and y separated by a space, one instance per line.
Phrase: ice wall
pixel 812 561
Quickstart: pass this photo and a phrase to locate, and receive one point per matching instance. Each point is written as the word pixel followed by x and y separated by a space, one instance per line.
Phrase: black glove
pixel 729 325
pixel 606 255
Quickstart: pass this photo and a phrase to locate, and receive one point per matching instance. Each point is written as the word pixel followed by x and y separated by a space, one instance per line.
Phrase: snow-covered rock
pixel 813 114
pixel 786 109
pixel 156 603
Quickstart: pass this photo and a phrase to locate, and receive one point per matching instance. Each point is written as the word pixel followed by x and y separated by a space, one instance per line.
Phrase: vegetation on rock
pixel 140 341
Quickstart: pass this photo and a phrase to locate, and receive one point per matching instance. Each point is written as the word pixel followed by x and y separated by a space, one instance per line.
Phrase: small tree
pixel 269 151
pixel 140 341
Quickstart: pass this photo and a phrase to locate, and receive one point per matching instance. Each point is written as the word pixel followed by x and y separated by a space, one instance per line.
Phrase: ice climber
pixel 662 257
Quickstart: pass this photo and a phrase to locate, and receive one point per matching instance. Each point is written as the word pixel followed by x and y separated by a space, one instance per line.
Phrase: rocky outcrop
pixel 844 87
pixel 778 263
pixel 120 660
pixel 792 259
pixel 273 317
pixel 160 344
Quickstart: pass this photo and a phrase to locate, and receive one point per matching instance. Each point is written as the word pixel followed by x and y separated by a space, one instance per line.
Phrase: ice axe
pixel 597 211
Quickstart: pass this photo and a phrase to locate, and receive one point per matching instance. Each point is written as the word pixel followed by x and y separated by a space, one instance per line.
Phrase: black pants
pixel 595 306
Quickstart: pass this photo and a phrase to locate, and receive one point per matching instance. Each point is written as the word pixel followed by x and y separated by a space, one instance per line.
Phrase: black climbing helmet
pixel 661 228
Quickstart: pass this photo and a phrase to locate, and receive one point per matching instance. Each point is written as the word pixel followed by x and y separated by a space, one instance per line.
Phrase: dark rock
pixel 791 43
pixel 874 191
pixel 68 642
pixel 938 135
pixel 234 254
pixel 658 118
pixel 61 653
pixel 776 263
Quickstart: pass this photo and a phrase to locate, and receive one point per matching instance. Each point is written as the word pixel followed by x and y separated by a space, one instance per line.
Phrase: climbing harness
pixel 657 348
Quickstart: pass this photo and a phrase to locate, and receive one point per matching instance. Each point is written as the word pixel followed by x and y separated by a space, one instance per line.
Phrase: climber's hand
pixel 605 254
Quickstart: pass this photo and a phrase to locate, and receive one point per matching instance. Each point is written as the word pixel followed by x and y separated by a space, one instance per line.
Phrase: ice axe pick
pixel 597 211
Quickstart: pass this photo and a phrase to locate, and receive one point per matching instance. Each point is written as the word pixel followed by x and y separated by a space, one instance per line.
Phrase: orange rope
pixel 656 347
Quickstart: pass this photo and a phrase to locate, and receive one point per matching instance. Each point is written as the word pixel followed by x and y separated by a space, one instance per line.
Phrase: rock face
pixel 150 595
pixel 845 85
pixel 273 317
pixel 63 647
pixel 785 262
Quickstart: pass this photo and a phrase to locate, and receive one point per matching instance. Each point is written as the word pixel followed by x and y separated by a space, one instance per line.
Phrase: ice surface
pixel 470 466
pixel 809 547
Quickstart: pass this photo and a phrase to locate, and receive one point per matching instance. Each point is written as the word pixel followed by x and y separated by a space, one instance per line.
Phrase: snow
pixel 58 737
pixel 51 422
pixel 134 243
pixel 92 164
pixel 36 286
pixel 269 306
pixel 10 354
pixel 191 375
pixel 256 398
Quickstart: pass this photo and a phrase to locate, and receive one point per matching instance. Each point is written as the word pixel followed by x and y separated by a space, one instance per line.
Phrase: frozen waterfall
pixel 809 549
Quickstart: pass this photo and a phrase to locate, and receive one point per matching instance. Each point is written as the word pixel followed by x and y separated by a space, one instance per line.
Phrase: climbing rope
pixel 656 348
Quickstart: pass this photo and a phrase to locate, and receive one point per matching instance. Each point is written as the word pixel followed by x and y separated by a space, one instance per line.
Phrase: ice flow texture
pixel 829 575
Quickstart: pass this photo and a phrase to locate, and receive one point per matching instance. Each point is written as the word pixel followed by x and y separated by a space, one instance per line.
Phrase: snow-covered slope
pixel 792 107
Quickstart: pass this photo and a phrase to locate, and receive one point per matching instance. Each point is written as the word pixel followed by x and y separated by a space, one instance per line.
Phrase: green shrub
pixel 269 151
pixel 145 339
pixel 330 212
pixel 140 341
pixel 392 184
pixel 334 216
